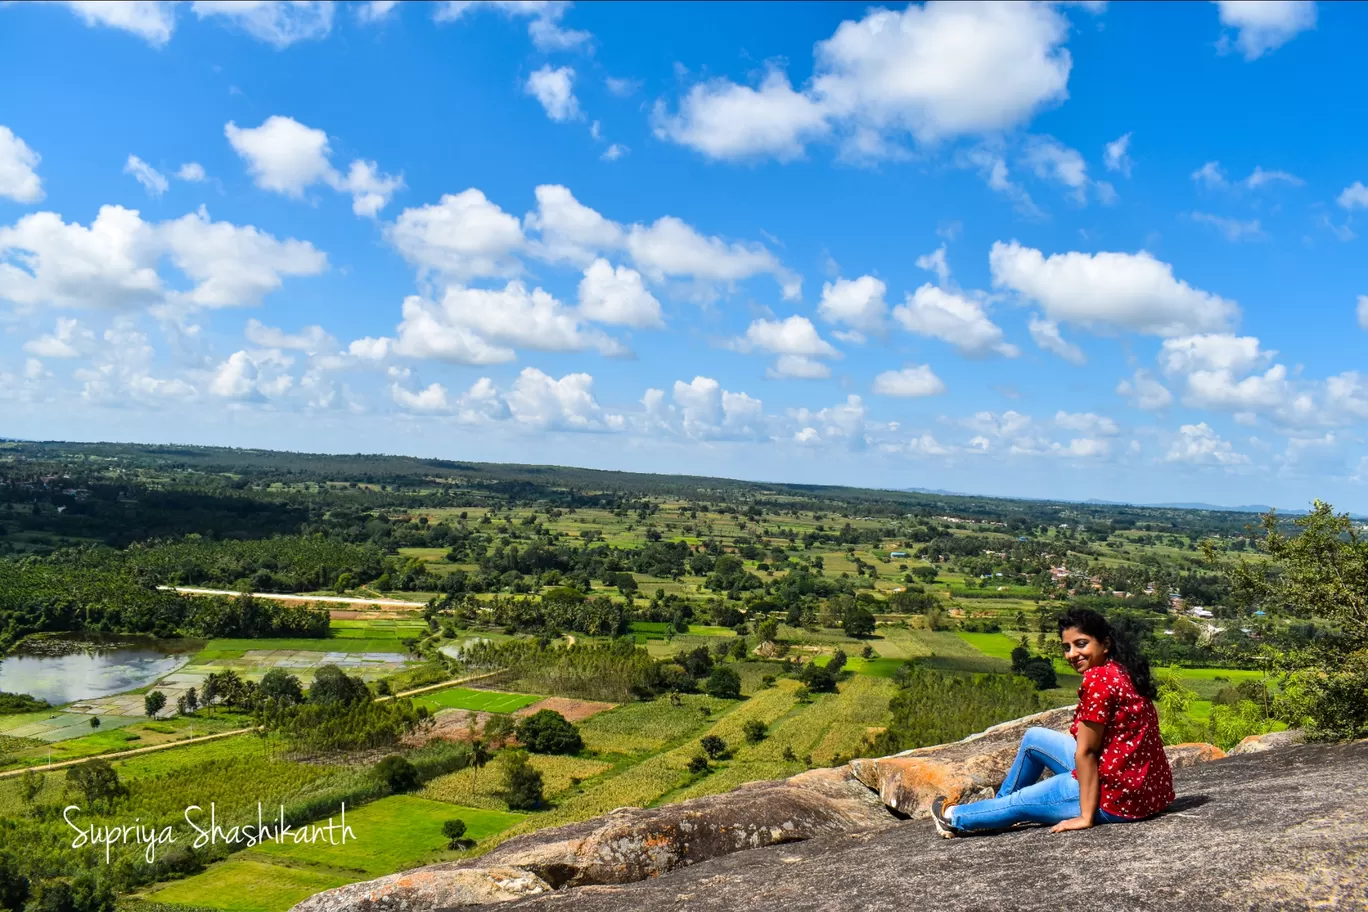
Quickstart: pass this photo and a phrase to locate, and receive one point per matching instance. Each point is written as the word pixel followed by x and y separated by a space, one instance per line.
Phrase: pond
pixel 64 668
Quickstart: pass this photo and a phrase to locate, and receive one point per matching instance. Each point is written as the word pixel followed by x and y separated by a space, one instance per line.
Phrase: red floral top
pixel 1133 772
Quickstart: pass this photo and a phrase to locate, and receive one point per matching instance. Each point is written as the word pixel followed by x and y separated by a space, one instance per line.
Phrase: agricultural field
pixel 492 701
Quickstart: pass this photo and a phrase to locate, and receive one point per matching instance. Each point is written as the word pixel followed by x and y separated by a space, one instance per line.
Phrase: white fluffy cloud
pixel 724 120
pixel 568 404
pixel 1116 156
pixel 113 263
pixel 461 237
pixel 486 326
pixel 1053 161
pixel 310 339
pixel 708 412
pixel 279 23
pixel 1200 445
pixel 1355 196
pixel 432 399
pixel 151 20
pixel 282 155
pixel 1145 391
pixel 555 90
pixel 544 19
pixel 233 265
pixel 18 169
pixel 192 172
pixel 617 296
pixel 110 264
pixel 569 231
pixel 953 318
pixel 670 248
pixel 910 382
pixel 1265 25
pixel 1212 352
pixel 1109 291
pixel 67 340
pixel 1087 423
pixel 931 72
pixel 1046 334
pixel 285 156
pixel 857 303
pixel 153 181
pixel 252 376
pixel 793 336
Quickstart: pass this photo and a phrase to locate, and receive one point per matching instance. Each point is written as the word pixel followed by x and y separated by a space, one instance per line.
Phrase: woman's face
pixel 1082 651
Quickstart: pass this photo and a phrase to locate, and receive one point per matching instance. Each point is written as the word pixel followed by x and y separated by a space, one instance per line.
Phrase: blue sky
pixel 1068 250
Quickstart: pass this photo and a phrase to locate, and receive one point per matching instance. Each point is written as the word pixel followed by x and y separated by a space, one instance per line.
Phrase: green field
pixel 482 700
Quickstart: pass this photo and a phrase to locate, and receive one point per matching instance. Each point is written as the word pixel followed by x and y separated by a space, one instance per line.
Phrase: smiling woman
pixel 1117 769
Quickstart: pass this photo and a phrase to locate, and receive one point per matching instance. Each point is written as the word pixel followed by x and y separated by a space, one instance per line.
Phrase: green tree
pixel 14 886
pixel 153 703
pixel 1321 571
pixel 454 830
pixel 398 773
pixel 548 732
pixel 280 686
pixel 713 746
pixel 724 683
pixel 97 781
pixel 522 782
pixel 755 731
pixel 30 784
pixel 858 622
pixel 479 756
pixel 332 685
pixel 698 763
pixel 1041 673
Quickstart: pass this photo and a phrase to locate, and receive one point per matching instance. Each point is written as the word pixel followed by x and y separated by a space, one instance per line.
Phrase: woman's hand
pixel 1073 823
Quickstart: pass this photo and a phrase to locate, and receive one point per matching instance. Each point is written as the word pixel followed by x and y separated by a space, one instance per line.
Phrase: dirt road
pixel 282 597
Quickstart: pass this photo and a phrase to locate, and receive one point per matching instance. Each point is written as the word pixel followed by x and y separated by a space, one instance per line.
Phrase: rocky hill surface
pixel 1278 827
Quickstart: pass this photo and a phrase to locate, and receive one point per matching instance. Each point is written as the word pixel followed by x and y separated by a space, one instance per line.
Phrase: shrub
pixel 454 830
pixel 755 731
pixel 724 683
pixel 396 772
pixel 522 783
pixel 698 764
pixel 713 746
pixel 1041 673
pixel 548 732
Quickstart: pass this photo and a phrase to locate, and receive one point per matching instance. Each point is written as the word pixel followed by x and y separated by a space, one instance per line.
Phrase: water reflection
pixel 65 669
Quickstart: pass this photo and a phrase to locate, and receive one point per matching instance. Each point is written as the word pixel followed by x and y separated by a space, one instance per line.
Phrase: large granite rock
pixel 628 845
pixel 1284 830
pixel 430 888
pixel 632 844
pixel 963 771
pixel 1257 744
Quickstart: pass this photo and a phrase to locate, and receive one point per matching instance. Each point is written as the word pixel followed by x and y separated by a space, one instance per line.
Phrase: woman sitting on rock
pixel 1110 768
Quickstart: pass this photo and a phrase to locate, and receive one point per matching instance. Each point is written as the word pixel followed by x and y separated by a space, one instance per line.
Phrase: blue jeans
pixel 1024 799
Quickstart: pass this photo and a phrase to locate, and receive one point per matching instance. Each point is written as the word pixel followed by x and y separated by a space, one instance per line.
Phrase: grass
pixel 484 789
pixel 391 834
pixel 243 885
pixel 236 648
pixel 643 728
pixel 481 700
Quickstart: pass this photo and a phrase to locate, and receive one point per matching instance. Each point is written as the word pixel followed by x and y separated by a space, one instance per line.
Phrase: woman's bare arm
pixel 1089 790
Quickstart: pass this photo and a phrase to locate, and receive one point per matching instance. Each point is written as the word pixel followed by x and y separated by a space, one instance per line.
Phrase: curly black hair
pixel 1122 649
